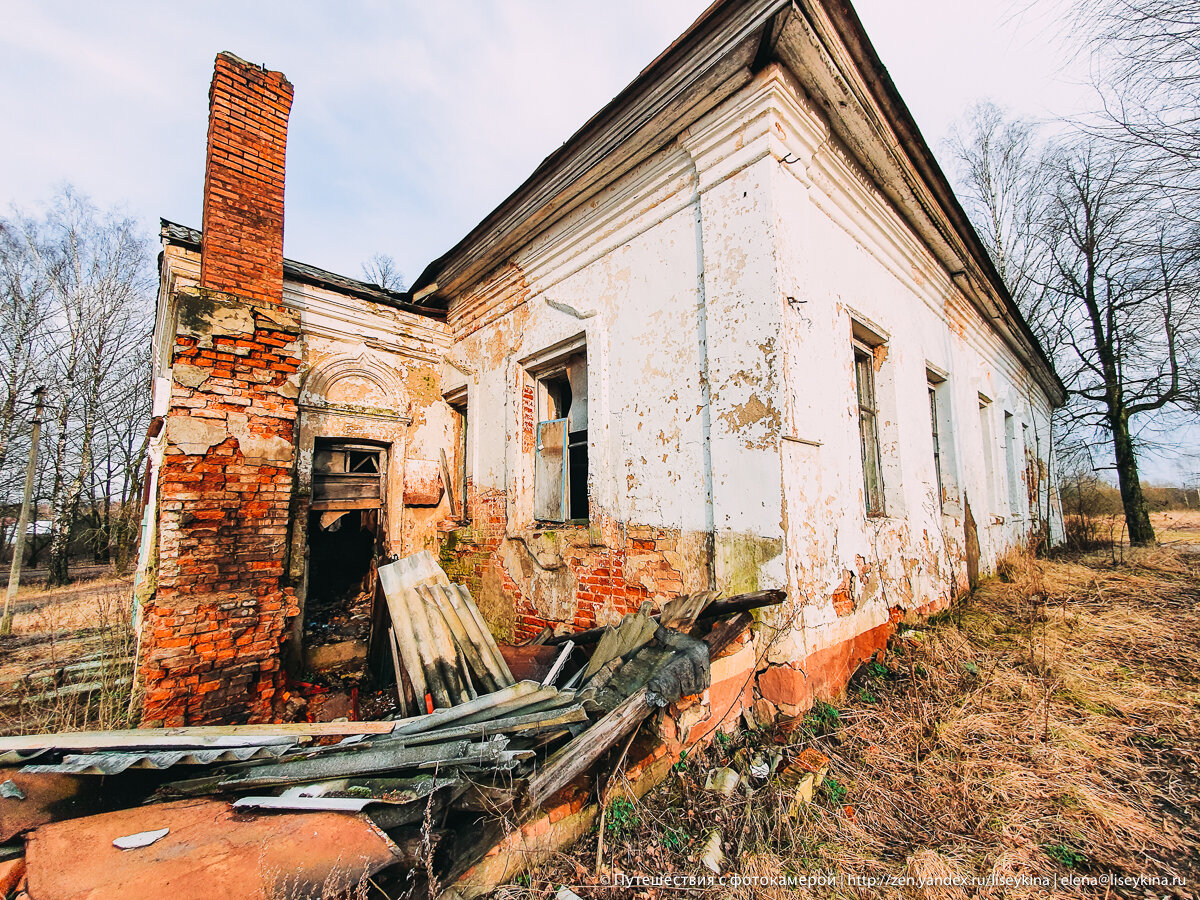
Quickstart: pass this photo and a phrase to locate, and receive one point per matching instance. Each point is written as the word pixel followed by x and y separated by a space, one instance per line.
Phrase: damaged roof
pixel 183 236
pixel 823 45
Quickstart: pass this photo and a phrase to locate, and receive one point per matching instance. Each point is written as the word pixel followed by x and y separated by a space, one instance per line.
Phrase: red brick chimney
pixel 242 248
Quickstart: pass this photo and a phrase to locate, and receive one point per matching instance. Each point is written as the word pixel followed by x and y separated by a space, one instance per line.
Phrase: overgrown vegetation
pixel 1094 516
pixel 1044 727
pixel 68 666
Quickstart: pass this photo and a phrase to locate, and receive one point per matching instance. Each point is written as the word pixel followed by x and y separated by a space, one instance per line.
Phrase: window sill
pixel 883 518
pixel 580 524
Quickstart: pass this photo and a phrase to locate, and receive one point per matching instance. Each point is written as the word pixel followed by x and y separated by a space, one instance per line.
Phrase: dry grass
pixel 67 666
pixel 1047 726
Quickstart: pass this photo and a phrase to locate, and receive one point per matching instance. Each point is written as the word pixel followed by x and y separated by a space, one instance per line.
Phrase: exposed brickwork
pixel 527 416
pixel 243 181
pixel 612 569
pixel 467 552
pixel 212 632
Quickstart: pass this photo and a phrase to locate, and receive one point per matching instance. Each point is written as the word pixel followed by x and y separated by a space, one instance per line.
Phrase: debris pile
pixel 410 803
pixel 442 650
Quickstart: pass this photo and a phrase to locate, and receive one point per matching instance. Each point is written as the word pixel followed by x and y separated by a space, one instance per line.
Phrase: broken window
pixel 460 472
pixel 943 450
pixel 560 478
pixel 937 451
pixel 1012 465
pixel 868 428
pixel 347 473
pixel 989 467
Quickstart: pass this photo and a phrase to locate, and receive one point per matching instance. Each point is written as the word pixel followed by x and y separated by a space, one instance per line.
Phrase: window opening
pixel 868 429
pixel 937 448
pixel 561 465
pixel 1011 464
pixel 989 466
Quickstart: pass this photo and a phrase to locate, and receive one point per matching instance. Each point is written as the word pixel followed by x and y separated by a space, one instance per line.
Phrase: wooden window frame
pixel 552 365
pixel 867 401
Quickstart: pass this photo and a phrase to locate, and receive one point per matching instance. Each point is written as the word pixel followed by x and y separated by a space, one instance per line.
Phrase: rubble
pixel 418 797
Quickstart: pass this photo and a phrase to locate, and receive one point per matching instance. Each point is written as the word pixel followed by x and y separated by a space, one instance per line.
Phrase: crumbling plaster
pixel 369 372
pixel 715 285
pixel 845 255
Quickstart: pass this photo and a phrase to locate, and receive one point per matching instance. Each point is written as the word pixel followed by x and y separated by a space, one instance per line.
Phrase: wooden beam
pixel 717 609
pixel 581 753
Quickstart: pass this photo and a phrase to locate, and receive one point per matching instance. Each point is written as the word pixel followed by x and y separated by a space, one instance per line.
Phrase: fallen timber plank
pixel 576 757
pixel 198 737
pixel 371 761
pixel 717 609
pixel 532 723
pixel 548 698
pixel 556 669
pixel 482 703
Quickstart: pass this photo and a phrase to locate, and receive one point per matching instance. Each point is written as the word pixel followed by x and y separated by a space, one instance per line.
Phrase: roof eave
pixel 883 93
pixel 719 30
pixel 172 233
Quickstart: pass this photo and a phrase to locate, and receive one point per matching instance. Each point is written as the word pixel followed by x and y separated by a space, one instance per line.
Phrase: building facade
pixel 735 334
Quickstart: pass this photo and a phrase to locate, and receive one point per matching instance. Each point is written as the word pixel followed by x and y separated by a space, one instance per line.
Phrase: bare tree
pixel 1103 264
pixel 381 270
pixel 1002 185
pixel 93 331
pixel 1128 312
pixel 24 311
pixel 1147 56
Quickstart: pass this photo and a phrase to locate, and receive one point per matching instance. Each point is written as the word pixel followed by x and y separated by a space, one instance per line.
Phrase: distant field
pixel 1179 526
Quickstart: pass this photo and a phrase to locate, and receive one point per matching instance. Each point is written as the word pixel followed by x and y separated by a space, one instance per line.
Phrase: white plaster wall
pixel 715 285
pixel 670 274
pixel 845 254
pixel 623 273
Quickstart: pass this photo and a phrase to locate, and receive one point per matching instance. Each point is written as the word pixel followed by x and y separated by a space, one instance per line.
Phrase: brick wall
pixel 213 630
pixel 611 568
pixel 243 181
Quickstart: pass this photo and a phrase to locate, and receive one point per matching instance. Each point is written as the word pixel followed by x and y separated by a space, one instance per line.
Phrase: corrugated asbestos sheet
pixel 111 763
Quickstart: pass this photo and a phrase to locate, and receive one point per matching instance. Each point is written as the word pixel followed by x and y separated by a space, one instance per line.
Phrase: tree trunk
pixel 60 528
pixel 1137 517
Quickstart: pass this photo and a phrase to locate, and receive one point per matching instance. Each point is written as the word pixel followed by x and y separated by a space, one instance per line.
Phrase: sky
pixel 412 120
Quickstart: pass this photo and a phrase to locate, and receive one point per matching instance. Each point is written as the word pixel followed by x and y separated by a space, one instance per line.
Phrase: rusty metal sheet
pixel 47 798
pixel 422 482
pixel 210 852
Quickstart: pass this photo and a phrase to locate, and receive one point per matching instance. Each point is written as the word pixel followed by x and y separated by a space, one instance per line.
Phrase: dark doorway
pixel 345 536
pixel 341 577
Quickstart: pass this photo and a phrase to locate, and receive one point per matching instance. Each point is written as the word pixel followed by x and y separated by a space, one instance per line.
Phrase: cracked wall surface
pixel 716 290
pixel 717 287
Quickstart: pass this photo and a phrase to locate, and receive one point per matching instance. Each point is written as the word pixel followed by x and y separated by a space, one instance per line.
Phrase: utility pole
pixel 14 574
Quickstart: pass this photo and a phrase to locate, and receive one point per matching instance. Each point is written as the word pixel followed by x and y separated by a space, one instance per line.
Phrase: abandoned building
pixel 737 333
